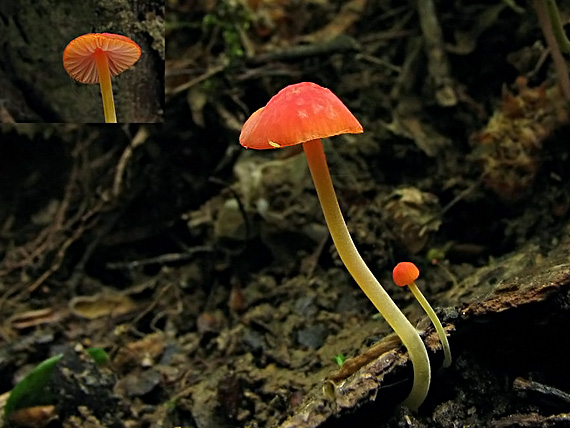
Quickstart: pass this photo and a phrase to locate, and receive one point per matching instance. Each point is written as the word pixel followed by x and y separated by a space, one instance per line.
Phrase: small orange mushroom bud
pixel 406 273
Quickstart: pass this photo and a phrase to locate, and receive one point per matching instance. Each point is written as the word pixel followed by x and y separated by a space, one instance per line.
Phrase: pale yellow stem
pixel 436 323
pixel 106 88
pixel 364 277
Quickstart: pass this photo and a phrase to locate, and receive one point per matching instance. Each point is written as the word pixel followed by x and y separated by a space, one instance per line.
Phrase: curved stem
pixel 557 58
pixel 105 83
pixel 364 277
pixel 557 27
pixel 435 320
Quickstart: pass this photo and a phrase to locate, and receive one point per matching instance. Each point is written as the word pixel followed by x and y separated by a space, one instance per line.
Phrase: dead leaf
pixel 105 304
pixel 35 317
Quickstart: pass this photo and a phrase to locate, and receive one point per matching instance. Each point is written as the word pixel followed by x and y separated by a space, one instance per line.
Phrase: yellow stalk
pixel 106 88
pixel 364 277
pixel 435 320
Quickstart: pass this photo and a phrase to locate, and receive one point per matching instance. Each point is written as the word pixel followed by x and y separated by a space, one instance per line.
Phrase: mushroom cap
pixel 405 273
pixel 79 55
pixel 298 113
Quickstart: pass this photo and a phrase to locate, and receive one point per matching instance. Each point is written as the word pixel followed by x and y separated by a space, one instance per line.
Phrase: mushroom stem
pixel 435 320
pixel 106 88
pixel 364 277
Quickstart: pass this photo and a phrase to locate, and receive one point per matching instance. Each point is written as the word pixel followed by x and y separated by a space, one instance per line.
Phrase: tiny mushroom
pixel 95 57
pixel 304 113
pixel 406 273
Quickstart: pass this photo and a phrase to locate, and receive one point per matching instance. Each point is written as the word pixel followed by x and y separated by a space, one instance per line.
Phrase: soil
pixel 206 271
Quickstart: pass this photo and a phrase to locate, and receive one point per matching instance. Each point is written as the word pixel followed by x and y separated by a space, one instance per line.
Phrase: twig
pixel 209 73
pixel 557 58
pixel 139 139
pixel 339 44
pixel 87 222
pixel 557 27
pixel 462 195
pixel 163 258
pixel 314 258
pixel 438 66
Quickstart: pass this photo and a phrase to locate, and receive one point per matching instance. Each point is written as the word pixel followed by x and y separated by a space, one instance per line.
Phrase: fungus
pixel 95 57
pixel 303 114
pixel 406 273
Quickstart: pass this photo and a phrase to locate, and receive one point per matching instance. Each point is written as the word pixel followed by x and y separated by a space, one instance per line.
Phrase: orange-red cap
pixel 405 273
pixel 79 55
pixel 298 113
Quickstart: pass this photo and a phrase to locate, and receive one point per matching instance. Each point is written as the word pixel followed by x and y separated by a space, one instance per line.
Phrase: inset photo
pixel 96 61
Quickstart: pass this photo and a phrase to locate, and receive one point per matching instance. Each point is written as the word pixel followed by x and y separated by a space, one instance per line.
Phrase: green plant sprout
pixel 305 113
pixel 232 21
pixel 31 390
pixel 436 256
pixel 406 273
pixel 339 359
pixel 99 355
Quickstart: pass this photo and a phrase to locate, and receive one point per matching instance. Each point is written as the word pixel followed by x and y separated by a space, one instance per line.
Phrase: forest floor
pixel 207 274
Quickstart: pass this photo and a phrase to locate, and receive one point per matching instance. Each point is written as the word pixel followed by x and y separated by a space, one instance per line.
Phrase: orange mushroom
pixel 95 57
pixel 303 114
pixel 406 273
